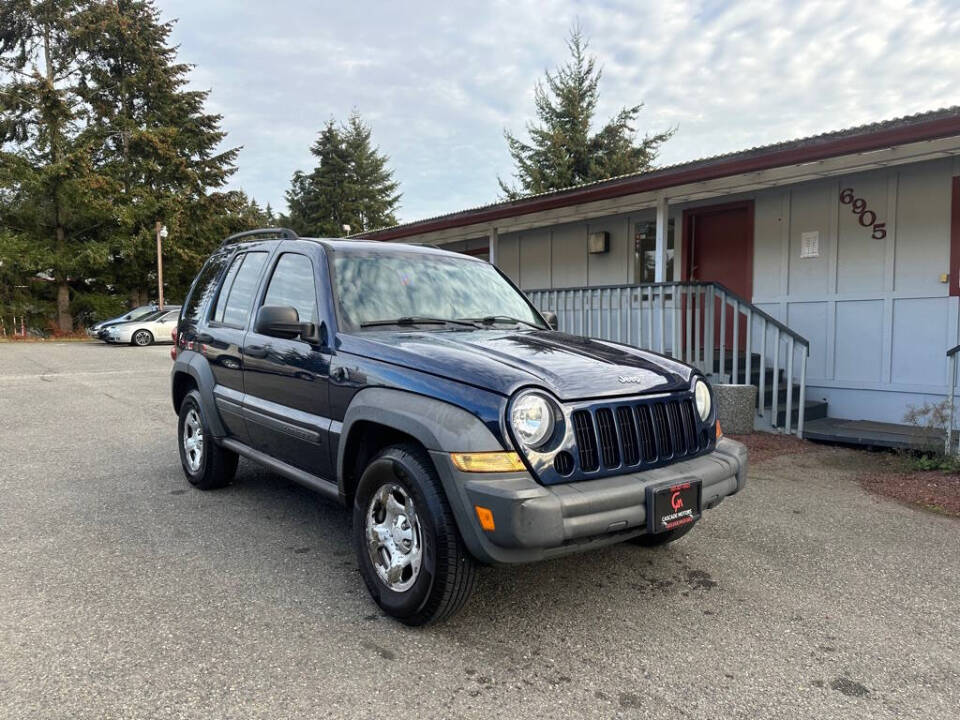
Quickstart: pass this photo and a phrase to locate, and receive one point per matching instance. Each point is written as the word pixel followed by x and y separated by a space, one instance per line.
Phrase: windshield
pixel 375 286
pixel 140 312
pixel 153 315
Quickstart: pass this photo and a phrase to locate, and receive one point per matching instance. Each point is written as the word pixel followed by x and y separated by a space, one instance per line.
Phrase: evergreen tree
pixel 351 184
pixel 562 150
pixel 372 195
pixel 154 139
pixel 52 197
pixel 201 226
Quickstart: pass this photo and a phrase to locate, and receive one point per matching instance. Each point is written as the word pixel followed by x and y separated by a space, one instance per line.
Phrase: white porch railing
pixel 701 323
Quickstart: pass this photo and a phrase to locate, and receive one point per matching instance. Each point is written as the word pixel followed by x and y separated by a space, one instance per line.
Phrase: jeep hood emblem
pixel 631 379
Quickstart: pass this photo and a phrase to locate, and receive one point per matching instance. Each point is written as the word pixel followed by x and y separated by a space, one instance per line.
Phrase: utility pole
pixel 161 233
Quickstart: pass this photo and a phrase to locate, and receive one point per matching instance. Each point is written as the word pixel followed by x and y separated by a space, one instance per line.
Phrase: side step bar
pixel 301 477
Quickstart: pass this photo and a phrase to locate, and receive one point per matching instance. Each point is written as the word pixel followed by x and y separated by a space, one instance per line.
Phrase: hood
pixel 570 366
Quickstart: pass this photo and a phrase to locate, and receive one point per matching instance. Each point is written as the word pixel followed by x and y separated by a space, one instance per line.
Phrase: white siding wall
pixel 878 318
pixel 557 257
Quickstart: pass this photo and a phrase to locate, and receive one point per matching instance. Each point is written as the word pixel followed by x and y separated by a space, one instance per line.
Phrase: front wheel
pixel 408 547
pixel 142 338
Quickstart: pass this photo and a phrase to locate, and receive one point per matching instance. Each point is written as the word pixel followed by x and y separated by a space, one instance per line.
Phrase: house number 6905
pixel 858 206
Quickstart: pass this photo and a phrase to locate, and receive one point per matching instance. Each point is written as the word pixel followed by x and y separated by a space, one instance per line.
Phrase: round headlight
pixel 702 395
pixel 532 420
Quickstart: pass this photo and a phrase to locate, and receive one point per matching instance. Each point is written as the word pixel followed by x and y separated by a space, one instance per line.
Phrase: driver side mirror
pixel 551 318
pixel 283 322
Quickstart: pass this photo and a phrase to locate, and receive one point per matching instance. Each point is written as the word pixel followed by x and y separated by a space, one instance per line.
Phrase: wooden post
pixel 493 239
pixel 159 265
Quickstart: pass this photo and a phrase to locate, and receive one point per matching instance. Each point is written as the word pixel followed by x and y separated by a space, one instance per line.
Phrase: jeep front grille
pixel 586 440
pixel 638 433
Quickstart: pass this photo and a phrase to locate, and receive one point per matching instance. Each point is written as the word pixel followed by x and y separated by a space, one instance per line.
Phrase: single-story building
pixel 834 257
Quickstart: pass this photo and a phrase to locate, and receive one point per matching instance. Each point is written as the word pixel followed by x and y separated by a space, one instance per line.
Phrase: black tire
pixel 142 338
pixel 447 572
pixel 215 466
pixel 664 538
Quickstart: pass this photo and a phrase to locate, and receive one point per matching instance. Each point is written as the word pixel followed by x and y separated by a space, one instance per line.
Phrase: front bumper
pixel 535 522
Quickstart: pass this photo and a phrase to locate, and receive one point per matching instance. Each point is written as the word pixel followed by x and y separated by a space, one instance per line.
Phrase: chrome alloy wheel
pixel 141 338
pixel 193 441
pixel 394 537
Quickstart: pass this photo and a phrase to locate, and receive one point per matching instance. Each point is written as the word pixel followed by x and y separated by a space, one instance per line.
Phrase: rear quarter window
pixel 204 287
pixel 239 286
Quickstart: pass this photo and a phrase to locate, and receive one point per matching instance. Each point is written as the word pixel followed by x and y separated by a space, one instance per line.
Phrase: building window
pixel 645 251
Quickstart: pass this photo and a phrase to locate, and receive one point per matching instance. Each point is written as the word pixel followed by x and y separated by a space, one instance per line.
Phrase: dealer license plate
pixel 673 505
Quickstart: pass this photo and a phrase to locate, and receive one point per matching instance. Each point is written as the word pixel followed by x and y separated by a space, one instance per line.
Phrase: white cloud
pixel 440 81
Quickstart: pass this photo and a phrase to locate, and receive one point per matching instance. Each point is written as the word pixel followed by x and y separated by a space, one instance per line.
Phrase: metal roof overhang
pixel 699 181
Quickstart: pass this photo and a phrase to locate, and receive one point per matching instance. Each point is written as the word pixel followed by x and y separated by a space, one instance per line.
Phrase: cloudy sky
pixel 439 81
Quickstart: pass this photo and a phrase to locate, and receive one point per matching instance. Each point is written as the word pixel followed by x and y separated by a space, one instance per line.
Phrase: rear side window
pixel 239 286
pixel 225 288
pixel 204 287
pixel 292 285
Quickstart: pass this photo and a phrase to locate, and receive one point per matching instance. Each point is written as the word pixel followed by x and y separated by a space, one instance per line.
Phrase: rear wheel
pixel 142 338
pixel 206 465
pixel 664 538
pixel 408 547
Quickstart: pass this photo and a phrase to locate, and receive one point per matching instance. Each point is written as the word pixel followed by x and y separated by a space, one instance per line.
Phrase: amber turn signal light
pixel 719 430
pixel 485 516
pixel 487 462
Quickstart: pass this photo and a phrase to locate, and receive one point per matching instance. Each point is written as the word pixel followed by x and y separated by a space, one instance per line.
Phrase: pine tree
pixel 154 139
pixel 351 184
pixel 52 197
pixel 562 151
pixel 372 195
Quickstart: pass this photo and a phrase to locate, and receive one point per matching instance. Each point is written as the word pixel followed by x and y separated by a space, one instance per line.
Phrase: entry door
pixel 718 247
pixel 286 382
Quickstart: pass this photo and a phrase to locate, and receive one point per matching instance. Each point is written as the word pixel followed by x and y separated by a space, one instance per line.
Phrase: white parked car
pixel 155 327
pixel 100 329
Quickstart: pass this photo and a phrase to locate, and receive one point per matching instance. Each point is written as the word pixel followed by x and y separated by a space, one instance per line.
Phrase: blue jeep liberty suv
pixel 421 389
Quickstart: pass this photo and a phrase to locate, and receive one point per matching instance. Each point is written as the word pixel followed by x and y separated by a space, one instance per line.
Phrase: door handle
pixel 256 351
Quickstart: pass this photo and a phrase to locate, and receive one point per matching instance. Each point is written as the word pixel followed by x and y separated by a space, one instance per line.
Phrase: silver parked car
pixel 100 329
pixel 155 327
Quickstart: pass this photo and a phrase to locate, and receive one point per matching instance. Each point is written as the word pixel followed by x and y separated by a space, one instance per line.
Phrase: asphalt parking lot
pixel 124 593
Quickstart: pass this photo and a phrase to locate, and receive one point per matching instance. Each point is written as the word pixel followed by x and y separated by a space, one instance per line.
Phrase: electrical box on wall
pixel 598 242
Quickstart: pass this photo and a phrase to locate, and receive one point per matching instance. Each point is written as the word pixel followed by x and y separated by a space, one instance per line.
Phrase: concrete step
pixel 814 410
pixel 781 394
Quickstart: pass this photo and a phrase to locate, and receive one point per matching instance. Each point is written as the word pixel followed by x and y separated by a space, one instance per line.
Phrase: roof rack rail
pixel 284 233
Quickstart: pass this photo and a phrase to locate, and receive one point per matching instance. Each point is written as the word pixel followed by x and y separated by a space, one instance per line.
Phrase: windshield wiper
pixel 416 320
pixel 491 319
